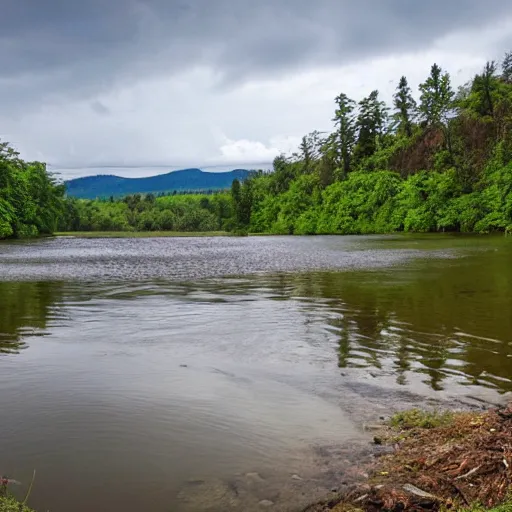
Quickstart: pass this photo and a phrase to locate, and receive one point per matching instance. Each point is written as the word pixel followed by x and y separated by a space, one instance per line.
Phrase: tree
pixel 245 209
pixel 506 68
pixel 371 122
pixel 236 194
pixel 283 174
pixel 344 137
pixel 405 107
pixel 31 202
pixel 484 89
pixel 241 196
pixel 309 151
pixel 436 97
pixel 326 171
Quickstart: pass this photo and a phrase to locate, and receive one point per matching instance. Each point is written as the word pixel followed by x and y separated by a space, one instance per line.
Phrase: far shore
pixel 141 234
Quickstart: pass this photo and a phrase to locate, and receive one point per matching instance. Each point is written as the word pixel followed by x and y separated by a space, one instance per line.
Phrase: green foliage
pixel 450 172
pixel 343 138
pixel 436 97
pixel 506 68
pixel 242 198
pixel 136 213
pixel 360 204
pixel 31 202
pixel 416 418
pixel 453 172
pixel 371 123
pixel 405 108
pixel 10 504
pixel 505 507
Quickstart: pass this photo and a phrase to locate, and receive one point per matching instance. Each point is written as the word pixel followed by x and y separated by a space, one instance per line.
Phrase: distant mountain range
pixel 103 186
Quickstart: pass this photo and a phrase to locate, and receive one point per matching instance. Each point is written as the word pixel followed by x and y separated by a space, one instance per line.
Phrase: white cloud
pixel 243 150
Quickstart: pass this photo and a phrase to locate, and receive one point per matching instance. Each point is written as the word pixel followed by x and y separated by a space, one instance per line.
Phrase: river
pixel 218 374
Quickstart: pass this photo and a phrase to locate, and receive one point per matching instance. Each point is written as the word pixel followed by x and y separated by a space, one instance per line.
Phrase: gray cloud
pixel 100 109
pixel 191 82
pixel 84 46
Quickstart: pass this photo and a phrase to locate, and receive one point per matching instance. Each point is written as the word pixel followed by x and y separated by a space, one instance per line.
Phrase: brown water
pixel 212 373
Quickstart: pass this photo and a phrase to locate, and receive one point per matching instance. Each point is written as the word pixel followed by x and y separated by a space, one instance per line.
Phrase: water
pixel 211 373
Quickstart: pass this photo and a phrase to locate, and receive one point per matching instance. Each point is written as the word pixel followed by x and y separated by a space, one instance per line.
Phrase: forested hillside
pixel 191 180
pixel 31 203
pixel 442 164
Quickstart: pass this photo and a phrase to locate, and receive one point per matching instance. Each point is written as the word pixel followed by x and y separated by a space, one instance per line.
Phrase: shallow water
pixel 212 373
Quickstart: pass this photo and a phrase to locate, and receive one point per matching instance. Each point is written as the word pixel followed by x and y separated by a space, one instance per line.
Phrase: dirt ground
pixel 464 461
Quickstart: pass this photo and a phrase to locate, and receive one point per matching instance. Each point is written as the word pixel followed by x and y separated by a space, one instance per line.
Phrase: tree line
pixel 440 164
pixel 177 212
pixel 31 201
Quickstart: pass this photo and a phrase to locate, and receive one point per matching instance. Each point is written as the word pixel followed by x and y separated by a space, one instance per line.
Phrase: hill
pixel 92 187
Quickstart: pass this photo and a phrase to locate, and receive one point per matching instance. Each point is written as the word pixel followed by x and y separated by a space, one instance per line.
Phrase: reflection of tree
pixel 344 344
pixel 434 361
pixel 25 308
pixel 437 318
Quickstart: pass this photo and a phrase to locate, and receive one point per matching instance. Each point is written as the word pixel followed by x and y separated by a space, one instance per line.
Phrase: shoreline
pixel 423 461
pixel 434 461
pixel 227 234
pixel 141 234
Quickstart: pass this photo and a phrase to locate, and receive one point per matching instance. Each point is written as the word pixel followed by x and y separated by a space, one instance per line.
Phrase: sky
pixel 141 87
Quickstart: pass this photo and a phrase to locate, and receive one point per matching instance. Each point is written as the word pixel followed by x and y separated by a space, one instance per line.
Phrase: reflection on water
pixel 443 320
pixel 163 379
pixel 25 308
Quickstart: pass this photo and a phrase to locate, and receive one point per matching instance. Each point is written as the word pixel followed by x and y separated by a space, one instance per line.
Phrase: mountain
pixel 103 186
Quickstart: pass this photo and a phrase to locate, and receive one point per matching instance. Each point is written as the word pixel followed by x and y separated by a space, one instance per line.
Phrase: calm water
pixel 209 374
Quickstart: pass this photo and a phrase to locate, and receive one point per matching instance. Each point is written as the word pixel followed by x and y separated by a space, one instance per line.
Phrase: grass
pixel 416 418
pixel 505 507
pixel 141 234
pixel 10 504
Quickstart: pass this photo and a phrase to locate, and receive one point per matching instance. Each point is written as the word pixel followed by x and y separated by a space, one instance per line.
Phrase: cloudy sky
pixel 139 87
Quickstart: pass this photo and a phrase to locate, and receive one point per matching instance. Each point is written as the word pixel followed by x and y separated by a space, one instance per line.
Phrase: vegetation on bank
pixel 444 164
pixel 140 213
pixel 31 202
pixel 437 462
pixel 441 164
pixel 10 504
pixel 141 234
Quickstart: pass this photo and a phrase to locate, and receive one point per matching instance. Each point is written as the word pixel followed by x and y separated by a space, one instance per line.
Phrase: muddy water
pixel 212 374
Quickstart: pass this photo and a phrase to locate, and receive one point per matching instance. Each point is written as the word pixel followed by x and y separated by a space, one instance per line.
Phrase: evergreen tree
pixel 326 171
pixel 436 97
pixel 506 68
pixel 484 89
pixel 405 107
pixel 344 137
pixel 371 122
pixel 309 151
pixel 241 196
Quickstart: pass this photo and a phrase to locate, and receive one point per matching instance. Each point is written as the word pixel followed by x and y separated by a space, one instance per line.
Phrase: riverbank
pixel 436 461
pixel 10 504
pixel 141 234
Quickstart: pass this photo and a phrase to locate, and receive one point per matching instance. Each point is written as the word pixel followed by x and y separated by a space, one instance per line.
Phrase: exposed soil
pixel 465 462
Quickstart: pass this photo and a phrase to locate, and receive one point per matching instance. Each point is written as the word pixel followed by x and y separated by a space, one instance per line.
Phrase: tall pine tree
pixel 506 68
pixel 436 97
pixel 344 137
pixel 405 107
pixel 371 123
